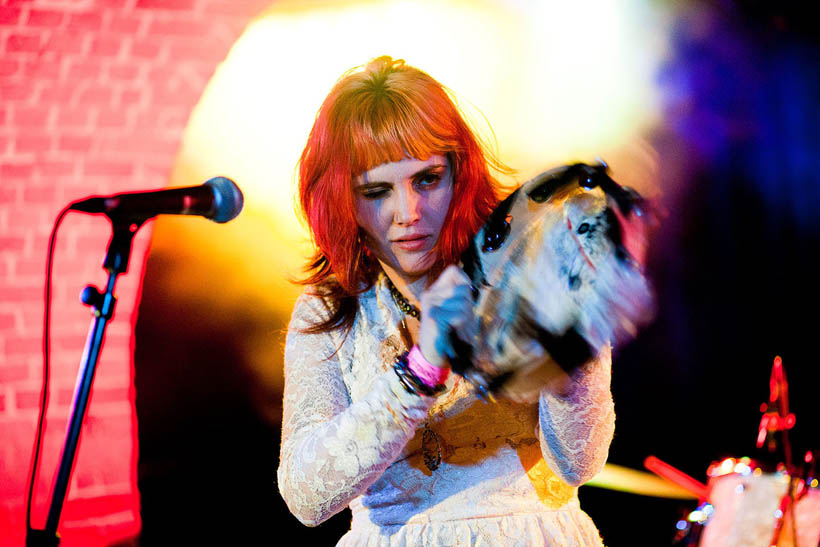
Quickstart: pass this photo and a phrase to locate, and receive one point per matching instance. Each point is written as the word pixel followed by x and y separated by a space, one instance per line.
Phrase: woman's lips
pixel 414 243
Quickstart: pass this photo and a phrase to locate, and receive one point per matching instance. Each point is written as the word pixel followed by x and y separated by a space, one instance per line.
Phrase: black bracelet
pixel 411 382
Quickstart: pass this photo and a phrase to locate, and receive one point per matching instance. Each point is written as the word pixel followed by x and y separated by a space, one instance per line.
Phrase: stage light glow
pixel 557 82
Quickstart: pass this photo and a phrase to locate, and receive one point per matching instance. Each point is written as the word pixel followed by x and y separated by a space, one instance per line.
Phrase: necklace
pixel 404 305
pixel 430 441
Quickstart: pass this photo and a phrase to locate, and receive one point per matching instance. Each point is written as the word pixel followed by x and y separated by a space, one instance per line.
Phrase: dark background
pixel 732 263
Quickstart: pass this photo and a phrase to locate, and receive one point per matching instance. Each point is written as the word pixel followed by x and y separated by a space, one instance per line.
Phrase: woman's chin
pixel 412 271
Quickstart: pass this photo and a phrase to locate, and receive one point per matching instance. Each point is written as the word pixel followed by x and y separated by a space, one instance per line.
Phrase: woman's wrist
pixel 417 376
pixel 427 372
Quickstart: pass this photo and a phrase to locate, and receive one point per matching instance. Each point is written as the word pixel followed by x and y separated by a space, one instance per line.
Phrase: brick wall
pixel 94 96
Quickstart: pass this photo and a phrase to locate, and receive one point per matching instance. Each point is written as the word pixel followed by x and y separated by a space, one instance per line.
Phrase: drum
pixel 747 505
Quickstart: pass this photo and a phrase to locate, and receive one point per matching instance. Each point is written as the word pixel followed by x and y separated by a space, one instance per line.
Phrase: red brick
pixel 149 142
pixel 35 115
pixel 85 21
pixel 148 49
pixel 179 27
pixel 172 119
pixel 8 68
pixel 129 71
pixel 23 170
pixel 106 46
pixel 64 396
pixel 32 144
pixel 13 374
pixel 165 4
pixel 17 92
pixel 113 4
pixel 90 244
pixel 9 16
pixel 28 399
pixel 161 74
pixel 21 294
pixel 130 96
pixel 8 194
pixel 70 341
pixel 94 511
pixel 110 395
pixel 63 43
pixel 103 168
pixel 75 143
pixel 125 25
pixel 98 95
pixel 21 43
pixel 74 117
pixel 55 168
pixel 24 344
pixel 191 50
pixel 41 68
pixel 57 94
pixel 44 18
pixel 28 268
pixel 234 8
pixel 176 97
pixel 39 194
pixel 7 321
pixel 14 244
pixel 111 118
pixel 30 218
pixel 85 69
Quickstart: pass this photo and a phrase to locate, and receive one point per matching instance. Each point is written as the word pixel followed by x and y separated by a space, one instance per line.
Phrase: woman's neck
pixel 411 287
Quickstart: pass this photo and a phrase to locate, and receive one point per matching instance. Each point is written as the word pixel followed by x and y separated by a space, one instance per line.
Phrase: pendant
pixel 430 448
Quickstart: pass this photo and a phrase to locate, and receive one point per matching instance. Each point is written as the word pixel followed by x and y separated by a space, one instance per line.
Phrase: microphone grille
pixel 228 199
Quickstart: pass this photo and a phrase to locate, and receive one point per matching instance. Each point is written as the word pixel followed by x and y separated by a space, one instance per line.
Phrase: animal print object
pixel 557 274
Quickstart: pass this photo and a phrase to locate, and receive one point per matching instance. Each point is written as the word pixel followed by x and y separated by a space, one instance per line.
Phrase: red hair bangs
pixel 382 114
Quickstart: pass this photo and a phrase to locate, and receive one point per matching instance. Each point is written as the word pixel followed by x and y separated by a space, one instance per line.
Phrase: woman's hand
pixel 447 305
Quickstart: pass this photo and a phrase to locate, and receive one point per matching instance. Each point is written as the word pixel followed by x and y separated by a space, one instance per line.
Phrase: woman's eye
pixel 375 193
pixel 430 179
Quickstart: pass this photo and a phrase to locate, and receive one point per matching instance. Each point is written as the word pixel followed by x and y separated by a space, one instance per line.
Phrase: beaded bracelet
pixel 411 382
pixel 429 374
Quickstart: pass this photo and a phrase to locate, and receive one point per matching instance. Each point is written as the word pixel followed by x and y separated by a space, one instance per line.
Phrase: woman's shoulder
pixel 311 307
pixel 325 306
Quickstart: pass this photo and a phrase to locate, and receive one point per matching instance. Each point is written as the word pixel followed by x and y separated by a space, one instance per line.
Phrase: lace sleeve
pixel 332 448
pixel 576 427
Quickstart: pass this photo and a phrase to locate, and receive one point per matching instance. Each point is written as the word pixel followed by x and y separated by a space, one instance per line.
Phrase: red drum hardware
pixel 746 504
pixel 752 507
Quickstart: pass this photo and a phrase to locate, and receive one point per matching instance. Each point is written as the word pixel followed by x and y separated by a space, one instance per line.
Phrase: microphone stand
pixel 102 304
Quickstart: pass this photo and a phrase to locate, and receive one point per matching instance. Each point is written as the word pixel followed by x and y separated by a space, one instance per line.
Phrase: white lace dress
pixel 351 435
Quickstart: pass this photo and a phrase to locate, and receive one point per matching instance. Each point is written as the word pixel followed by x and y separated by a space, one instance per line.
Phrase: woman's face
pixel 401 207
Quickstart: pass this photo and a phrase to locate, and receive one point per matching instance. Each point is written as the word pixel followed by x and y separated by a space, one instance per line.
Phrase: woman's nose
pixel 408 206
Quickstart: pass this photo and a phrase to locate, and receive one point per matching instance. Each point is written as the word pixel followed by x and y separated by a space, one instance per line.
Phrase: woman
pixel 393 185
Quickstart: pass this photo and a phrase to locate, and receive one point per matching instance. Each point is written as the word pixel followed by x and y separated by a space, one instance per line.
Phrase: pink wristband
pixel 431 375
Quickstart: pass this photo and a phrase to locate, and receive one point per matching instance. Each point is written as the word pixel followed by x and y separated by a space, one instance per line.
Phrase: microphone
pixel 219 199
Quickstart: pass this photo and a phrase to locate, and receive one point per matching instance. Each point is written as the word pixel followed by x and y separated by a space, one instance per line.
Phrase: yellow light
pixel 726 466
pixel 559 82
pixel 697 516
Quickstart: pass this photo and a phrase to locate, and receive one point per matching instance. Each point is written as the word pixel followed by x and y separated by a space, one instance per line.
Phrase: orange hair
pixel 379 114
